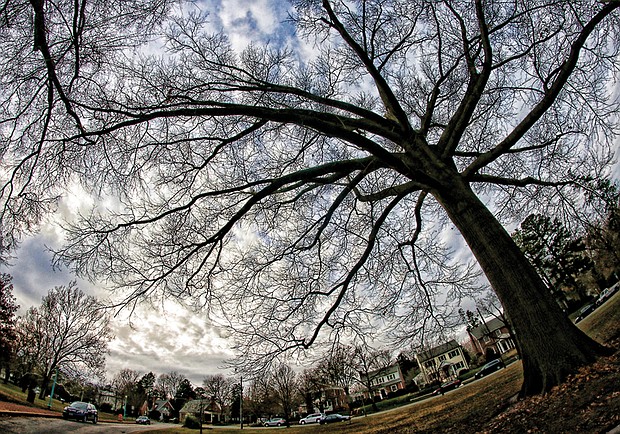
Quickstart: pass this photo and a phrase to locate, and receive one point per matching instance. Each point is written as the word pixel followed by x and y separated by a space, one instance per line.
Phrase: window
pixel 442 357
pixel 394 388
pixel 453 354
pixel 391 377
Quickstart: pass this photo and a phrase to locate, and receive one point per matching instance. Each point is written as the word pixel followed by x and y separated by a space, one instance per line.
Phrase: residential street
pixel 38 425
pixel 18 419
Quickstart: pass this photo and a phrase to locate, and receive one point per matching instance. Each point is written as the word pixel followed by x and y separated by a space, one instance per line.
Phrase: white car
pixel 312 418
pixel 607 294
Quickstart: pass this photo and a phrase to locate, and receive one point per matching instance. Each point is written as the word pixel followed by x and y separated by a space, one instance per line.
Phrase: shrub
pixel 191 422
pixel 106 407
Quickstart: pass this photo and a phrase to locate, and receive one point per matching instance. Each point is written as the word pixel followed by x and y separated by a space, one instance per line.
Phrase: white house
pixel 442 362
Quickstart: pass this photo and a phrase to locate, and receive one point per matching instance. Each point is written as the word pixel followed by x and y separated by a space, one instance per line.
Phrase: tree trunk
pixel 44 383
pixel 551 347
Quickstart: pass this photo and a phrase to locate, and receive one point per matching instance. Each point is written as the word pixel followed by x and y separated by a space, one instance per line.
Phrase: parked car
pixel 492 366
pixel 143 420
pixel 606 294
pixel 585 311
pixel 312 418
pixel 331 418
pixel 276 421
pixel 448 385
pixel 82 411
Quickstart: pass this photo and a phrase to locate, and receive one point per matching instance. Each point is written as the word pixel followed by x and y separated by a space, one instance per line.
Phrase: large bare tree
pixel 70 331
pixel 294 191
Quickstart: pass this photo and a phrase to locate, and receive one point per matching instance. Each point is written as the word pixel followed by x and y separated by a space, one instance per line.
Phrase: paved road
pixel 39 425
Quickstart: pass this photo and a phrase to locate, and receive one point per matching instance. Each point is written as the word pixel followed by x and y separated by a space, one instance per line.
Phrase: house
pixel 210 410
pixel 109 398
pixel 327 400
pixel 442 362
pixel 492 337
pixel 382 381
pixel 162 406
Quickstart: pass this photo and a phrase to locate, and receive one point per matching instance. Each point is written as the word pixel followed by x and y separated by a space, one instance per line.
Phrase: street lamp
pixel 125 408
pixel 49 405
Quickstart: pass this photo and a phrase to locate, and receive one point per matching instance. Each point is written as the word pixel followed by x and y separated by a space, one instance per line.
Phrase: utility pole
pixel 241 402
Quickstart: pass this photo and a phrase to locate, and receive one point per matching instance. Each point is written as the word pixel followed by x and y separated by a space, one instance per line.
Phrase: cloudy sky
pixel 160 338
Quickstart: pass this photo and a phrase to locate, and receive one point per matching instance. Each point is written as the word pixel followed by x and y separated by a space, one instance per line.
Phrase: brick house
pixel 491 337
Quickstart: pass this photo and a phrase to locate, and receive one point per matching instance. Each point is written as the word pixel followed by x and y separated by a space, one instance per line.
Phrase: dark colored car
pixel 492 366
pixel 331 418
pixel 585 311
pixel 276 421
pixel 82 411
pixel 143 420
pixel 448 385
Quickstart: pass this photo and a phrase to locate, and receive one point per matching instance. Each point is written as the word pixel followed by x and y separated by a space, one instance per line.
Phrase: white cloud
pixel 248 21
pixel 168 339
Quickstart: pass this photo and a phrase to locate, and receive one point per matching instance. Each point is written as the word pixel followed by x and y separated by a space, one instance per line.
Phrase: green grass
pixel 12 393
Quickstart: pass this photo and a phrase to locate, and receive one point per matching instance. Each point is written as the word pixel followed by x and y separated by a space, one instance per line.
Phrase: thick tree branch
pixel 391 103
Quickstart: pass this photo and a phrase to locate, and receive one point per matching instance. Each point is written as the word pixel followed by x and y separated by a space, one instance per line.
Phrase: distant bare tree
pixel 338 368
pixel 260 398
pixel 169 384
pixel 310 383
pixel 603 236
pixel 125 381
pixel 70 331
pixel 285 385
pixel 220 389
pixel 301 195
pixel 369 364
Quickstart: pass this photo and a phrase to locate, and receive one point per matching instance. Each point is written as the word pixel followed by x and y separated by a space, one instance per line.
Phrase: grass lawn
pixel 588 403
pixel 12 393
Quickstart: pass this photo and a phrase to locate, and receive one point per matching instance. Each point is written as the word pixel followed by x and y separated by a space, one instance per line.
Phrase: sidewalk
pixel 12 409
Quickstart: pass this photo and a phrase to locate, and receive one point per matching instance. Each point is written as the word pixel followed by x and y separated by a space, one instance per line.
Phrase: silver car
pixel 312 418
pixel 276 421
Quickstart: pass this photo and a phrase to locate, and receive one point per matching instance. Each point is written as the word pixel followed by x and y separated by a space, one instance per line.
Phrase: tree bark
pixel 551 347
pixel 44 383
